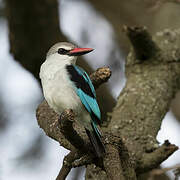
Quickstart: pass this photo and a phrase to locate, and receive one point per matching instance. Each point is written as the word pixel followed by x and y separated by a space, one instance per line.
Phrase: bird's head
pixel 66 52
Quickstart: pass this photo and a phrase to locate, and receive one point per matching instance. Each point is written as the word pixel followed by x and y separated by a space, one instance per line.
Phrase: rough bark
pixel 112 163
pixel 68 132
pixel 152 82
pixel 154 14
pixel 150 87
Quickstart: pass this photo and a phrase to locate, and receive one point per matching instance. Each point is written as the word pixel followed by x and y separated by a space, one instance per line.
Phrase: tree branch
pixel 138 114
pixel 100 76
pixel 67 165
pixel 117 162
pixel 144 47
pixel 63 130
pixel 66 127
pixel 150 160
pixel 84 160
pixel 48 119
pixel 112 163
pixel 146 98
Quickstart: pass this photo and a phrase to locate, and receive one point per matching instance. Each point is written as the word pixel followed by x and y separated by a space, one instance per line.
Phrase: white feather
pixel 58 89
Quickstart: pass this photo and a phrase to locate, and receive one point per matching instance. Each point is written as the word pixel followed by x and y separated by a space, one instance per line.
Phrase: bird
pixel 67 86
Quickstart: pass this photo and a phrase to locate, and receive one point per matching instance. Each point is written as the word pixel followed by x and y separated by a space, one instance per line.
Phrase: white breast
pixel 57 88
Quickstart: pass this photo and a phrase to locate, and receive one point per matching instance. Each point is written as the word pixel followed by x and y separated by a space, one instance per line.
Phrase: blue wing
pixel 85 90
pixel 89 102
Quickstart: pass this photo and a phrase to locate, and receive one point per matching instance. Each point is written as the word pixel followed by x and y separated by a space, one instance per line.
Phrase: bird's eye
pixel 62 51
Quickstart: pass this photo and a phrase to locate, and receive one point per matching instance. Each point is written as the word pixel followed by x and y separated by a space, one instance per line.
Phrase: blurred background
pixel 26 152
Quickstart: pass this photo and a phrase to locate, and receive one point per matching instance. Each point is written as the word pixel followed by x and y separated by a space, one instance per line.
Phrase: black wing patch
pixel 79 81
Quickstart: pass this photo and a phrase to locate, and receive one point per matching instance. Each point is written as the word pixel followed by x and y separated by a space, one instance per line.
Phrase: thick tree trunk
pixel 33 28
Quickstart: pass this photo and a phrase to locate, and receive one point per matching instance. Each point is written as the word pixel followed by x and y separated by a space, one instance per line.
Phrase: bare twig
pixel 83 160
pixel 67 165
pixel 151 160
pixel 100 76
